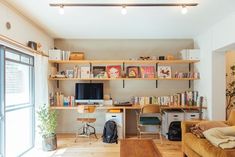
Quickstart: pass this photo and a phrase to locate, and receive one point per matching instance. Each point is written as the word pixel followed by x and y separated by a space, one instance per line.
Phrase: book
pixel 164 71
pixel 114 71
pixel 147 72
pixel 133 71
pixel 99 71
pixel 85 72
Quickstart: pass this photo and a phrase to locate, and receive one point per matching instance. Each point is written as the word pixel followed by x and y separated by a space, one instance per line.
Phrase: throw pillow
pixel 199 128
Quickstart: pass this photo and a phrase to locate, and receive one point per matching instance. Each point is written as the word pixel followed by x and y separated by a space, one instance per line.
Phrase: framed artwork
pixel 164 71
pixel 99 71
pixel 133 71
pixel 114 71
pixel 147 71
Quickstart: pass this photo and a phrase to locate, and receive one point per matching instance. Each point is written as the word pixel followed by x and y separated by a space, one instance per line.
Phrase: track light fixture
pixel 124 11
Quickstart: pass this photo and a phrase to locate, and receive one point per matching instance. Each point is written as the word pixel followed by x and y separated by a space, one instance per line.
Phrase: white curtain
pixel 41 89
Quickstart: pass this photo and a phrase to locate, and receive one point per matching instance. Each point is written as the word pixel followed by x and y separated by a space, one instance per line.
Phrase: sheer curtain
pixel 41 90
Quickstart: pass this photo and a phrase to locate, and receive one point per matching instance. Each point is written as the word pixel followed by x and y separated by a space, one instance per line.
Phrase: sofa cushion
pixel 204 148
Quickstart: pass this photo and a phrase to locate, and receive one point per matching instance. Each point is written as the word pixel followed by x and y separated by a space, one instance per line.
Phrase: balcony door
pixel 17 102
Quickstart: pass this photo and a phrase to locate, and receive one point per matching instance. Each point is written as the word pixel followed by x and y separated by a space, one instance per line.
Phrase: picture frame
pixel 99 71
pixel 164 72
pixel 133 71
pixel 69 73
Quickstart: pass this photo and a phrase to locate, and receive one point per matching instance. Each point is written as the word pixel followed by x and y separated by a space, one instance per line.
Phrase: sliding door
pixel 19 103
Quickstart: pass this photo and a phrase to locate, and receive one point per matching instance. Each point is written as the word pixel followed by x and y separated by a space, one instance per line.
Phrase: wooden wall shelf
pixel 123 61
pixel 113 79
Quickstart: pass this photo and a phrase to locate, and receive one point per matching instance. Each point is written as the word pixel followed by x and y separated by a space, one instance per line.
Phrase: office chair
pixel 149 115
pixel 86 120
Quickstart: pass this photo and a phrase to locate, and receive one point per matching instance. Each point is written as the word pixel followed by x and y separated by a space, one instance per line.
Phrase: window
pixel 18 106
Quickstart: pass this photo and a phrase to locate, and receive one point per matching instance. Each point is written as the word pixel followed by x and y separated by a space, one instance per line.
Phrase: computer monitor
pixel 89 93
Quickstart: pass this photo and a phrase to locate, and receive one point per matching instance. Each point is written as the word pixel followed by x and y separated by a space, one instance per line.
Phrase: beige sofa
pixel 192 146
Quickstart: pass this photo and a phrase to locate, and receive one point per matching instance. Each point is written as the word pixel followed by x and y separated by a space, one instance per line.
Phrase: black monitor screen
pixel 89 91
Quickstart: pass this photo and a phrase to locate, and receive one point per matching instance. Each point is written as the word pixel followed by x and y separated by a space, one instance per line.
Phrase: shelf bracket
pixel 189 69
pixel 156 73
pixel 58 84
pixel 123 69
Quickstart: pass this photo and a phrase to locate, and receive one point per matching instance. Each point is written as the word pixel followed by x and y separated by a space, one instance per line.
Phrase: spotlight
pixel 184 10
pixel 124 11
pixel 61 10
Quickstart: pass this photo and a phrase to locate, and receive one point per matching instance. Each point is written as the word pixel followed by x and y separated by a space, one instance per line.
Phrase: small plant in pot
pixel 47 125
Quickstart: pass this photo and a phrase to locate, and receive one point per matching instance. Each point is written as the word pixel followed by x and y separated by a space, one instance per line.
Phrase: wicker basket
pixel 76 56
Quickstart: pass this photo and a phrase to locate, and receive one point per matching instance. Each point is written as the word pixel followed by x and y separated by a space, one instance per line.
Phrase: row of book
pixel 187 98
pixel 115 71
pixel 187 75
pixel 58 99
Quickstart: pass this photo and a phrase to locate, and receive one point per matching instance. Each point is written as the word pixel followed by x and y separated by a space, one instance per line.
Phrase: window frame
pixel 30 105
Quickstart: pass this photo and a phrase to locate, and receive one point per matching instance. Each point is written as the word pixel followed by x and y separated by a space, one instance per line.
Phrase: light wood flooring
pixel 83 148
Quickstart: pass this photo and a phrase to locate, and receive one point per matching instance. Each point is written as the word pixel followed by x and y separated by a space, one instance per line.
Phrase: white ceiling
pixel 138 23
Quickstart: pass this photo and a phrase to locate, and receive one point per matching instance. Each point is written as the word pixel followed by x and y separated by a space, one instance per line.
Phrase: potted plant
pixel 47 125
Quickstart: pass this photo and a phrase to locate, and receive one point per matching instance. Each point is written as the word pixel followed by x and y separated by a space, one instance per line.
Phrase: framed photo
pixel 114 71
pixel 133 71
pixel 69 73
pixel 164 71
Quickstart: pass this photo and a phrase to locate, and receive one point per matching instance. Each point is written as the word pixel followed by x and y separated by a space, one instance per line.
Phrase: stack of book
pixel 195 75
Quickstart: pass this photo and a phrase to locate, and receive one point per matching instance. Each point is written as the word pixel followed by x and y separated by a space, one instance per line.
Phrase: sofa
pixel 192 146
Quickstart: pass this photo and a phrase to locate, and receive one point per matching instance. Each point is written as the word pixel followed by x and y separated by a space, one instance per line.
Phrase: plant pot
pixel 49 143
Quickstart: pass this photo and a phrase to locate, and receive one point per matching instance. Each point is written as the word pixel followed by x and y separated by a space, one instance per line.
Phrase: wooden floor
pixel 83 148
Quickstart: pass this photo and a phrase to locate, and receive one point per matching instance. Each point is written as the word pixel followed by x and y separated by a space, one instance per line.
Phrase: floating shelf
pixel 111 79
pixel 123 61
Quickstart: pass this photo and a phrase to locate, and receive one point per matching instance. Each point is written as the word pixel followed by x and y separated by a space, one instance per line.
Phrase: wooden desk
pixel 125 108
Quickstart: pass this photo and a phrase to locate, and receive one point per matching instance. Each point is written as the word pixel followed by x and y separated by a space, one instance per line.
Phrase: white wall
pixel 22 29
pixel 122 49
pixel 213 44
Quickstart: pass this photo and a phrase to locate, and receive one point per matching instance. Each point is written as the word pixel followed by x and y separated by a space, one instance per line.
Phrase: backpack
pixel 174 133
pixel 110 132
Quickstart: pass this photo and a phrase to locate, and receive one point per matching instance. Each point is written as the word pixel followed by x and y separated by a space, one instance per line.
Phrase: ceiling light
pixel 61 10
pixel 124 11
pixel 184 10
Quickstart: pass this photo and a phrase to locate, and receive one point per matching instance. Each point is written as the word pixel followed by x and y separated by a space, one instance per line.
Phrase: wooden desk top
pixel 133 107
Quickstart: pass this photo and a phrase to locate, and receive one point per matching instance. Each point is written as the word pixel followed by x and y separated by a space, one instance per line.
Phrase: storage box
pixel 76 56
pixel 190 54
